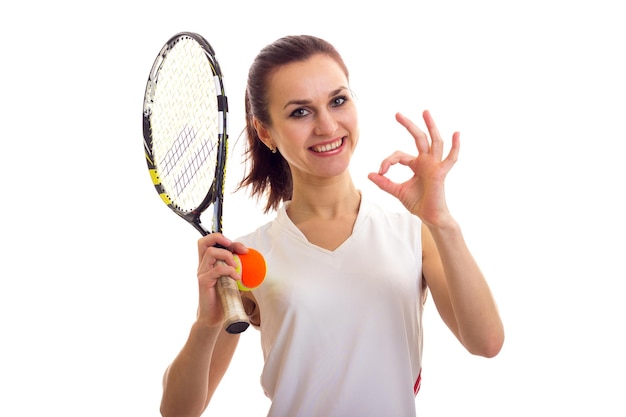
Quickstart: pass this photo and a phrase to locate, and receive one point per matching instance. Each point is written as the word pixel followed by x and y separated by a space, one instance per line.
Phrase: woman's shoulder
pixel 394 222
pixel 261 236
pixel 377 209
pixel 258 234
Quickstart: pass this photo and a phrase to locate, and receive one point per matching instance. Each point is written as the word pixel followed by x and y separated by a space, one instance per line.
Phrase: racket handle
pixel 235 317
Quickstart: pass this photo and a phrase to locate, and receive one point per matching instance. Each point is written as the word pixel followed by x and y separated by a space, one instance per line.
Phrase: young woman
pixel 340 311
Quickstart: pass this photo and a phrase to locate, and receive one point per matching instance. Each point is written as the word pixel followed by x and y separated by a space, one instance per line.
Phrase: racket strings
pixel 186 129
pixel 205 152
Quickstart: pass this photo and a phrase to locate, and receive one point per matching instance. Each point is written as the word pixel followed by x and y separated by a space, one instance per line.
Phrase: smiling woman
pixel 310 121
pixel 92 314
pixel 320 358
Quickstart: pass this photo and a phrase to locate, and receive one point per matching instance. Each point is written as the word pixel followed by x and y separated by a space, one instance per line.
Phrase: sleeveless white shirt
pixel 341 331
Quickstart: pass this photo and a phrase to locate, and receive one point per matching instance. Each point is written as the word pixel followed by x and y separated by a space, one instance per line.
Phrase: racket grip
pixel 235 317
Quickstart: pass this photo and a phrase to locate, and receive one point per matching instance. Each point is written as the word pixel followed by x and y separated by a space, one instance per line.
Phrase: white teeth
pixel 328 147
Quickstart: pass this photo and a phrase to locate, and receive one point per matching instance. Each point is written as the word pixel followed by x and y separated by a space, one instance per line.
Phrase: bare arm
pixel 458 287
pixel 460 291
pixel 192 378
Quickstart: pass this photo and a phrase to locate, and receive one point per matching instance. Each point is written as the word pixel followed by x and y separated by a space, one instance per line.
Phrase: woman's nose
pixel 325 123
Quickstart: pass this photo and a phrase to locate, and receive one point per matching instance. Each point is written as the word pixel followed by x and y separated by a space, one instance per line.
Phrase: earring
pixel 273 150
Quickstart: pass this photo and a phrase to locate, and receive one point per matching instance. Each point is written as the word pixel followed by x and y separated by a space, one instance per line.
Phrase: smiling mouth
pixel 328 147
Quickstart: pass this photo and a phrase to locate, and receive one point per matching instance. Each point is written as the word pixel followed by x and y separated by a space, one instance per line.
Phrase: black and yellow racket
pixel 185 114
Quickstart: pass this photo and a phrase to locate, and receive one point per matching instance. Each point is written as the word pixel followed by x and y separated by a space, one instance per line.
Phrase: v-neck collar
pixel 289 226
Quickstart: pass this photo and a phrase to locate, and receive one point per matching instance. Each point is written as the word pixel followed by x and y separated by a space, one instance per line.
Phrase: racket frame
pixel 235 318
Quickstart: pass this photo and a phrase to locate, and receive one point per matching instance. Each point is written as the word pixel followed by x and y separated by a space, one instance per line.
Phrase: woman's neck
pixel 324 201
pixel 325 215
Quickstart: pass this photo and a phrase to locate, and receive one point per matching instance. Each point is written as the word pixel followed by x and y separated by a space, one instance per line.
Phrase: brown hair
pixel 269 173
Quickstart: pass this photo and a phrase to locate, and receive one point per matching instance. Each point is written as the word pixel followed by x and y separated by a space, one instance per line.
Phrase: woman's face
pixel 314 118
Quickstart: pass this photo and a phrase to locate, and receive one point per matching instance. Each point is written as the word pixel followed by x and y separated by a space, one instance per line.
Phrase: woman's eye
pixel 338 101
pixel 299 112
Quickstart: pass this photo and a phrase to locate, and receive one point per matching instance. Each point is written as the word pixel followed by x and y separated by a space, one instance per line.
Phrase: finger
pixel 215 254
pixel 238 248
pixel 397 157
pixel 218 262
pixel 384 183
pixel 225 270
pixel 210 240
pixel 436 147
pixel 210 274
pixel 421 139
pixel 453 155
pixel 210 256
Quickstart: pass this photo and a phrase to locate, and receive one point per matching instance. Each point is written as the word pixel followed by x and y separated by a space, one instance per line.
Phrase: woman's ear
pixel 263 133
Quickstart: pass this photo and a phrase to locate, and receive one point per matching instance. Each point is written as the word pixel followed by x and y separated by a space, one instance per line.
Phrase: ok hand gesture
pixel 422 194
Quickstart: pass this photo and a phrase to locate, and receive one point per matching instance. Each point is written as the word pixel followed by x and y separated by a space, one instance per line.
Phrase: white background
pixel 95 300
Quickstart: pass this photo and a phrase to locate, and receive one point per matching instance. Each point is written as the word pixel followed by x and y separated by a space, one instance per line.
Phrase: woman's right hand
pixel 210 269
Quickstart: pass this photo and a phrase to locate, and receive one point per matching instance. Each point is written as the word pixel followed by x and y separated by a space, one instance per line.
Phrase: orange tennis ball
pixel 252 268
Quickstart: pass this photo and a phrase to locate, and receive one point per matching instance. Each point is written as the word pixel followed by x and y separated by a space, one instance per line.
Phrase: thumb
pixel 383 183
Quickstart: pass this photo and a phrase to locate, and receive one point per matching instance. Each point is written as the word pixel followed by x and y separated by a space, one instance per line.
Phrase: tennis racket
pixel 185 113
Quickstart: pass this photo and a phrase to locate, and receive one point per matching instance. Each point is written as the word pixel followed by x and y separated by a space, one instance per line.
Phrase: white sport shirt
pixel 341 330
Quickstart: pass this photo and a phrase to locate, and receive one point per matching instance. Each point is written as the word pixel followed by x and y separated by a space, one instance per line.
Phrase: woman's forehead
pixel 303 80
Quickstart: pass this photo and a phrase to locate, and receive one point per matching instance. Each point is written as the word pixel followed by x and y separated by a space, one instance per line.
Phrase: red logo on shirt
pixel 418 383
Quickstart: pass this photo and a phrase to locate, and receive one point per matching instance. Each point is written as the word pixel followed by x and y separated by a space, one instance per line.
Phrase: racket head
pixel 185 115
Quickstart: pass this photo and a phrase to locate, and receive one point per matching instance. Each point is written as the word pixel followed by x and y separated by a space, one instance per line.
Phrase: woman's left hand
pixel 423 194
